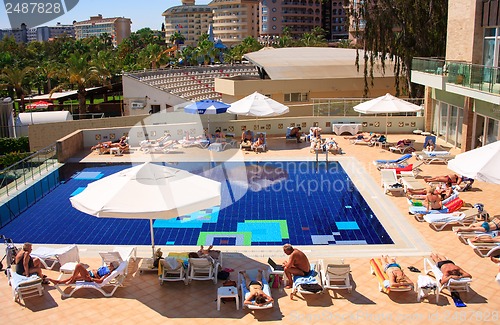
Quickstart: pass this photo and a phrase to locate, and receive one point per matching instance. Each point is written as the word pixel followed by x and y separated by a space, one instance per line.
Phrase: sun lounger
pixel 399 160
pixel 262 147
pixel 202 269
pixel 112 281
pixel 172 269
pixel 403 149
pixel 66 257
pixel 482 249
pixel 377 269
pixel 252 274
pixel 462 284
pixel 336 276
pixel 439 221
pixel 464 235
pixel 448 207
pixel 390 182
pixel 24 287
pixel 310 283
pixel 412 183
pixel 289 137
pixel 429 157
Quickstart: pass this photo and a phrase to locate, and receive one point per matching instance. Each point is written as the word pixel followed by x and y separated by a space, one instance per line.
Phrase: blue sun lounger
pixel 400 160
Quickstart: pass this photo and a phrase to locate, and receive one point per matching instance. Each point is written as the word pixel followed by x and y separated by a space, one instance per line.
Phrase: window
pixel 264 19
pixel 296 97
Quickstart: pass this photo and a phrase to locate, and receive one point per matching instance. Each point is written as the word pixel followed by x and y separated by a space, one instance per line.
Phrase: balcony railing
pixel 465 74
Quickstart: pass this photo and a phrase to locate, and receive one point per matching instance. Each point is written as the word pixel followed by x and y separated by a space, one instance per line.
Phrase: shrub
pixel 8 145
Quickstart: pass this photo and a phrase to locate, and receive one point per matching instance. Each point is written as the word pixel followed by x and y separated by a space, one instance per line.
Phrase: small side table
pixel 114 151
pixel 228 292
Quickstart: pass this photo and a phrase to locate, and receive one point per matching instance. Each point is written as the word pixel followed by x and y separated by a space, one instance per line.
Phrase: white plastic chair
pixel 202 269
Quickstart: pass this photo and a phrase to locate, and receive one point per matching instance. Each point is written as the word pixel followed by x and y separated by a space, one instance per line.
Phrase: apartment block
pixel 118 28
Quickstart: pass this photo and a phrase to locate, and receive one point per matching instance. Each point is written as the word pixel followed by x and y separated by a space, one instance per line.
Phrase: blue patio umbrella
pixel 207 106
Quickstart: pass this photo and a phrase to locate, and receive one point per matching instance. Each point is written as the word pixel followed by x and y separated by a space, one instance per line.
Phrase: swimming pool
pixel 303 203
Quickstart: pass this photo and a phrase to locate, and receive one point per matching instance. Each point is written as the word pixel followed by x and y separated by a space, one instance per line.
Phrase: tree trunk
pixel 82 106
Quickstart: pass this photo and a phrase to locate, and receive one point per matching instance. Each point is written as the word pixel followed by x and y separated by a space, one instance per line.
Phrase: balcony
pixel 466 79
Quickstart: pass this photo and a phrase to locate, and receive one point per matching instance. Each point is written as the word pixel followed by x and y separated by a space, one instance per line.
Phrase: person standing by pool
pixel 297 264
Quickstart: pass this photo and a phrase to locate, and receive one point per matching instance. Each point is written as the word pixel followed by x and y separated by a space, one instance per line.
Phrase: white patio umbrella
pixel 385 105
pixel 481 163
pixel 148 191
pixel 257 105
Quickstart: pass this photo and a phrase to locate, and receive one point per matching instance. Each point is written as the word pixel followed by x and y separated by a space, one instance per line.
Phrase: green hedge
pixel 11 158
pixel 8 145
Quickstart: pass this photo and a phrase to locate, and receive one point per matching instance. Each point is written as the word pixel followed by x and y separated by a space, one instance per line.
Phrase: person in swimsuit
pixel 483 226
pixel 395 273
pixel 451 178
pixel 449 269
pixel 82 274
pixel 256 296
pixel 27 265
pixel 433 199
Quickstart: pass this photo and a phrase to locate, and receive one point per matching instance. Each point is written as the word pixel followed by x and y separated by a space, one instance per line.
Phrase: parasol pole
pixel 152 236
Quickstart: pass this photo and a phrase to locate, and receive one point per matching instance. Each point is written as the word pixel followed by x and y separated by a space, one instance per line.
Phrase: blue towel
pixel 309 278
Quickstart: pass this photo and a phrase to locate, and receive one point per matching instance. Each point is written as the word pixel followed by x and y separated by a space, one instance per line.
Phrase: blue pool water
pixel 303 203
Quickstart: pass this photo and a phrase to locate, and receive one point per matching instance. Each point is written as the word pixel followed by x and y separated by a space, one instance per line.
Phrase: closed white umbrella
pixel 482 163
pixel 148 191
pixel 385 105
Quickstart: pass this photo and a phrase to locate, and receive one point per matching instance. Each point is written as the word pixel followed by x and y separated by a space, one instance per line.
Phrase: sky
pixel 143 13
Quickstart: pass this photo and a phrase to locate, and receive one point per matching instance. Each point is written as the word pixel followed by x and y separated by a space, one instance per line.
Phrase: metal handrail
pixel 26 170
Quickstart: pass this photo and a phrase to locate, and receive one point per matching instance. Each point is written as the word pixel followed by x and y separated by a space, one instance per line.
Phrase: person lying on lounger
pixel 259 142
pixel 82 274
pixel 486 238
pixel 359 136
pixel 395 273
pixel 483 226
pixel 332 146
pixel 450 178
pixel 256 296
pixel 449 269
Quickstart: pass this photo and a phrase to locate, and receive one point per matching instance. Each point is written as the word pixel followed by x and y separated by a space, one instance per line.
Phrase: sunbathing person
pixel 246 139
pixel 316 145
pixel 256 296
pixel 82 274
pixel 395 273
pixel 359 136
pixel 403 143
pixel 451 178
pixel 448 268
pixel 483 226
pixel 259 142
pixel 486 238
pixel 316 132
pixel 429 145
pixel 297 264
pixel 27 265
pixel 332 146
pixel 219 136
pixel 433 199
pixel 296 132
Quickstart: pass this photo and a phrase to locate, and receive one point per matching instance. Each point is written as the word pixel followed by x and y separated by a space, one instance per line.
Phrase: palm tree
pixel 81 73
pixel 205 50
pixel 177 38
pixel 17 79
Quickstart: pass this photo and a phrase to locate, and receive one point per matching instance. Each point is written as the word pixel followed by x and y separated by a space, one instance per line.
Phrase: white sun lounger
pixel 67 257
pixel 252 274
pixel 336 276
pixel 462 284
pixel 390 182
pixel 24 287
pixel 112 281
pixel 483 249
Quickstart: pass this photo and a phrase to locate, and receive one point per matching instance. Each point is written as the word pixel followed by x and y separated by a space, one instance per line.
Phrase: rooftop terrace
pixel 143 300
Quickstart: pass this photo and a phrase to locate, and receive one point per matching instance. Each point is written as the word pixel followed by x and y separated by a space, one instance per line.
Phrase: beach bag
pixel 223 275
pixel 275 281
